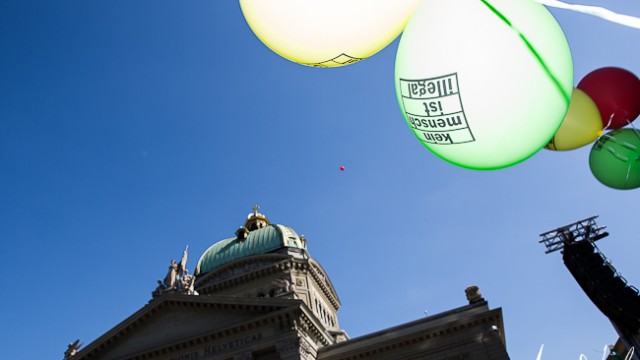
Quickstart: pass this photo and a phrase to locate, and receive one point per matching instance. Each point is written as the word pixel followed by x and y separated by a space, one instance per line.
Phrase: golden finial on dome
pixel 256 220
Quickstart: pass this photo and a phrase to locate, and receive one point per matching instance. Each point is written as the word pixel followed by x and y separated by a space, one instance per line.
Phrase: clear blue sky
pixel 130 129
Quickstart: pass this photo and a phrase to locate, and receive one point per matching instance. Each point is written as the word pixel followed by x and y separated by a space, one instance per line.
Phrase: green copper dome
pixel 259 241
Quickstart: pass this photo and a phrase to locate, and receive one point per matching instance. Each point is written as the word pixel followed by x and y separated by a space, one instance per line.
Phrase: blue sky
pixel 130 129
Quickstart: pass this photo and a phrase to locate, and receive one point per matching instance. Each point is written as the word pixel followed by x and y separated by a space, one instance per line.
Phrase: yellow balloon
pixel 581 125
pixel 327 33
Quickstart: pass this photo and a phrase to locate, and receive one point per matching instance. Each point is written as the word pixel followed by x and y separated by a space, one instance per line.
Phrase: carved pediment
pixel 174 319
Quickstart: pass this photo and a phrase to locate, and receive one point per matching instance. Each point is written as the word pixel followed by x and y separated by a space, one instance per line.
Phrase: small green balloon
pixel 615 159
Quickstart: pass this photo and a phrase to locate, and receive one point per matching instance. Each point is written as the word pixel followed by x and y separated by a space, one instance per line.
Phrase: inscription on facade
pixel 213 350
pixel 189 356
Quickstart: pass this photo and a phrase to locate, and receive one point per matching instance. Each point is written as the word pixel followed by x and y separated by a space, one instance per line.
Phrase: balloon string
pixel 597 11
pixel 609 122
pixel 540 353
pixel 629 146
pixel 621 143
pixel 635 131
pixel 626 179
pixel 618 155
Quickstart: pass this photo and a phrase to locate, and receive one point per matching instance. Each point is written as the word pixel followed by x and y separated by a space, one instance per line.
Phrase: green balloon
pixel 483 84
pixel 615 159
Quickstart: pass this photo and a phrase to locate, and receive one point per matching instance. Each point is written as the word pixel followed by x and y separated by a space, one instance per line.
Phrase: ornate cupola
pixel 265 260
pixel 256 220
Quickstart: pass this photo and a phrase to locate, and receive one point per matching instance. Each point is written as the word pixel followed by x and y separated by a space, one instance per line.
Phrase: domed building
pixel 260 295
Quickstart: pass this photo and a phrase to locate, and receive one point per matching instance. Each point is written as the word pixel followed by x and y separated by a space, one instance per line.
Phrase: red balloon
pixel 616 92
pixel 341 168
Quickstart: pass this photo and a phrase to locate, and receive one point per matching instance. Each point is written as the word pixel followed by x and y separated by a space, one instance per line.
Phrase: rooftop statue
pixel 177 280
pixel 72 349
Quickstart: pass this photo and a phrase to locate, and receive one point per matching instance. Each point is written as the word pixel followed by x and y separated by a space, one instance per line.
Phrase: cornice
pixel 272 264
pixel 310 325
pixel 415 333
pixel 322 279
pixel 227 271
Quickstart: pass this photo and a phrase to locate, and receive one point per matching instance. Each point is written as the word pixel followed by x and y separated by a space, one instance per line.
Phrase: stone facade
pixel 287 274
pixel 282 305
